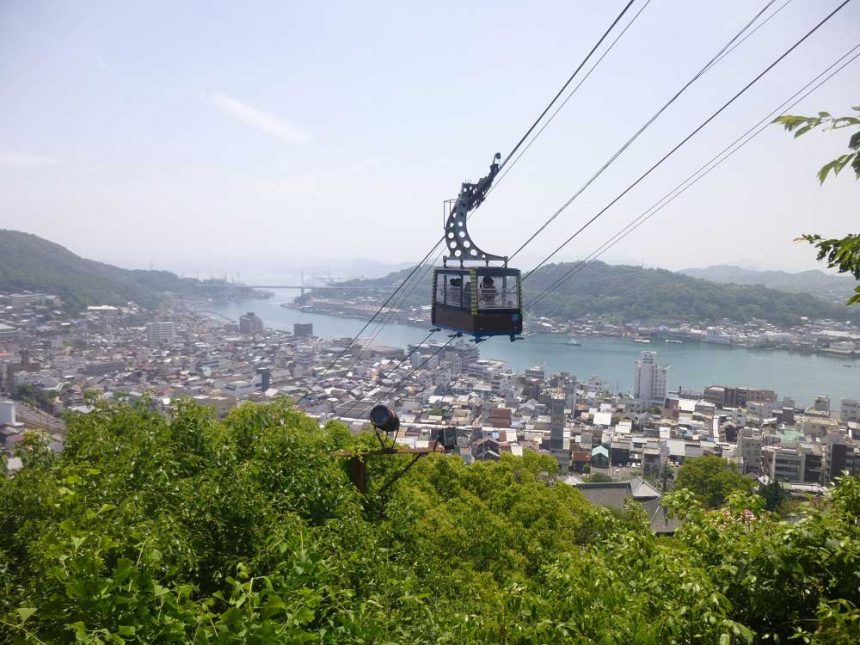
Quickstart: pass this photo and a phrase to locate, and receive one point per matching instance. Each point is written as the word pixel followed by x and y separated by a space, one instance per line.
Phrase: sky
pixel 265 137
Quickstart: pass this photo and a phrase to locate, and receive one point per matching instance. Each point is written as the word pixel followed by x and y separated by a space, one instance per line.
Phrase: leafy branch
pixel 800 125
pixel 842 254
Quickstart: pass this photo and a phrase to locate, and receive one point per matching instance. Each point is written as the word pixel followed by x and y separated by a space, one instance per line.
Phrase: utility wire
pixel 397 385
pixel 710 64
pixel 568 82
pixel 689 136
pixel 407 357
pixel 823 77
pixel 568 97
pixel 752 31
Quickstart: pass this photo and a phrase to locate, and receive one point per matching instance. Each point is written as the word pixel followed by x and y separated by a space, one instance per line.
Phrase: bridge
pixel 306 287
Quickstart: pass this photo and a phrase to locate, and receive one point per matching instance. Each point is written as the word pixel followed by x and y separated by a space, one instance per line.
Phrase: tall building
pixel 849 410
pixel 749 451
pixel 250 323
pixel 822 403
pixel 160 332
pixel 650 381
pixel 556 420
pixel 303 330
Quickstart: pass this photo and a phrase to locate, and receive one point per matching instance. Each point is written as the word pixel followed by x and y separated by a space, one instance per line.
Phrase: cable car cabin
pixel 479 301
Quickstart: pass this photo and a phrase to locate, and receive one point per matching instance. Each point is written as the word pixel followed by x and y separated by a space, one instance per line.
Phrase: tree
pixel 842 254
pixel 774 495
pixel 183 528
pixel 711 479
pixel 599 478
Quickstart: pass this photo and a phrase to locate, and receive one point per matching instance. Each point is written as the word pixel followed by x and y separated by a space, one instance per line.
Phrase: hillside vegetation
pixel 185 529
pixel 630 293
pixel 30 263
pixel 833 288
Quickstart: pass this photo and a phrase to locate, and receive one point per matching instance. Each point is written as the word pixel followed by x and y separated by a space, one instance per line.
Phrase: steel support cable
pixel 407 357
pixel 689 136
pixel 828 73
pixel 702 172
pixel 568 97
pixel 752 31
pixel 388 316
pixel 708 66
pixel 568 82
pixel 397 385
pixel 373 317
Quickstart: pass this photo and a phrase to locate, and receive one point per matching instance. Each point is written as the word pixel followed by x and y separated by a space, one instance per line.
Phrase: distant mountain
pixel 814 282
pixel 631 293
pixel 30 263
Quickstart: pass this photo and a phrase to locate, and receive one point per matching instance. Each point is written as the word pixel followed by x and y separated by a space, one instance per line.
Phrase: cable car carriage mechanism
pixel 475 297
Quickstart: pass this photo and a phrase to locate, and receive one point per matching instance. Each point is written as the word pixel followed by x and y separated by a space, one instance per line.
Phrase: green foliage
pixel 842 254
pixel 785 579
pixel 35 396
pixel 599 477
pixel 186 529
pixel 711 479
pixel 800 125
pixel 773 494
pixel 30 263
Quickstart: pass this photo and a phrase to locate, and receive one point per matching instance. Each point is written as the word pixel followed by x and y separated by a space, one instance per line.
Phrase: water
pixel 692 365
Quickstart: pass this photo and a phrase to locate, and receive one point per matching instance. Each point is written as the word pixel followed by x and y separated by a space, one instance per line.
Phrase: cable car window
pixel 451 290
pixel 441 279
pixel 498 292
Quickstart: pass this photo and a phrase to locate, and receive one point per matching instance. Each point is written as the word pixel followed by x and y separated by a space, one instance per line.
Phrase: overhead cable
pixel 698 129
pixel 823 77
pixel 707 66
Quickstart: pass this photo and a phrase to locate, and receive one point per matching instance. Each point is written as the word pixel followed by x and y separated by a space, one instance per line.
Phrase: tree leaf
pixel 24 613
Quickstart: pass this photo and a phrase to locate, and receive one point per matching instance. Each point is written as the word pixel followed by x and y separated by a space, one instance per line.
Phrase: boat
pixel 674 340
pixel 574 342
pixel 641 340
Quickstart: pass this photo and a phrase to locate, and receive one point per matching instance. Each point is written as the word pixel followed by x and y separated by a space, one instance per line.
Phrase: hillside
pixel 30 263
pixel 630 293
pixel 833 288
pixel 179 528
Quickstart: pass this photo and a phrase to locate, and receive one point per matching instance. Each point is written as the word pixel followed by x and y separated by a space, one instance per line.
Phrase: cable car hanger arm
pixel 457 239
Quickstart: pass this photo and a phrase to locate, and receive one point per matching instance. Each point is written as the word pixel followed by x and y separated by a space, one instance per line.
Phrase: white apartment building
pixel 650 381
pixel 159 333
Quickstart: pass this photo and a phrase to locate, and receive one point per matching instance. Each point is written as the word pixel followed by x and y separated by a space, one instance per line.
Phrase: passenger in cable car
pixel 488 291
pixel 467 296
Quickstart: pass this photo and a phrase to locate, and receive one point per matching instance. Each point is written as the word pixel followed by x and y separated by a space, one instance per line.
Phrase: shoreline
pixel 655 341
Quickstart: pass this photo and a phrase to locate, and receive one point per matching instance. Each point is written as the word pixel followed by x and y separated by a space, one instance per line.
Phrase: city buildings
pixel 479 408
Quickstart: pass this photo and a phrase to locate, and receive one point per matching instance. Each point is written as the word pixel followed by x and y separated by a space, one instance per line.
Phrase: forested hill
pixel 631 293
pixel 31 263
pixel 835 288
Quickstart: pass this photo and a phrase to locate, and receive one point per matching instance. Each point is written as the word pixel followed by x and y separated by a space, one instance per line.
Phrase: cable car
pixel 474 297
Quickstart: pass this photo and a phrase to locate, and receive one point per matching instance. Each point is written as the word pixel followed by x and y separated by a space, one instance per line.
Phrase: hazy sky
pixel 225 136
